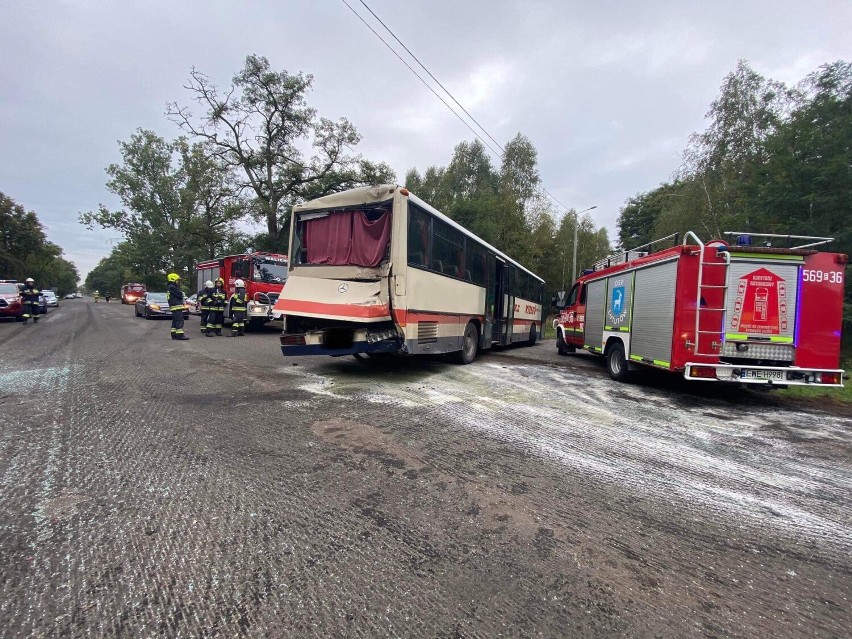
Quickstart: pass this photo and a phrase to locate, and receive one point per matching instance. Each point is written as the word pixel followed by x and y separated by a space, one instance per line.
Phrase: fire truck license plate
pixel 748 373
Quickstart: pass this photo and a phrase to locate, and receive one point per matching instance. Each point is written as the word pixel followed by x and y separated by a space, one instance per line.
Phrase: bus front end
pixel 339 316
pixel 337 300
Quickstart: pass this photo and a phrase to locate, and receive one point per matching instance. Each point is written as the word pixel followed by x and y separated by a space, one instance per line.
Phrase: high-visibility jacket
pixel 219 299
pixel 29 296
pixel 176 302
pixel 239 302
pixel 205 299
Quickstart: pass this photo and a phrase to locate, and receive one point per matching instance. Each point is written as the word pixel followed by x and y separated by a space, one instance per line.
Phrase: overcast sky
pixel 607 91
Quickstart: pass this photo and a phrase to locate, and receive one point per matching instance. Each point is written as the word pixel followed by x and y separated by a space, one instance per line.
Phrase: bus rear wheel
pixel 533 336
pixel 470 344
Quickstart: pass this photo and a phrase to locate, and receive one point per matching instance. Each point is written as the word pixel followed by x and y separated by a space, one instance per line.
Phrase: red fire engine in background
pixel 728 313
pixel 263 273
pixel 131 292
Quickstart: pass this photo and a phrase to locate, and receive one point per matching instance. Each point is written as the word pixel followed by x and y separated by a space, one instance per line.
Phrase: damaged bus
pixel 377 270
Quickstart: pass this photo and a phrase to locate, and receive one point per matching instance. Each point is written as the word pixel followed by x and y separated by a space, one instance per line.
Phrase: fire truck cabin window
pixel 572 296
pixel 269 271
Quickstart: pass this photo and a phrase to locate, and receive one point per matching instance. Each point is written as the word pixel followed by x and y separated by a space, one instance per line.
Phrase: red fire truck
pixel 131 292
pixel 263 273
pixel 738 313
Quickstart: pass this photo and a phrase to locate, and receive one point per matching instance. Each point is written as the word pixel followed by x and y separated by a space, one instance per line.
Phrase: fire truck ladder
pixel 702 311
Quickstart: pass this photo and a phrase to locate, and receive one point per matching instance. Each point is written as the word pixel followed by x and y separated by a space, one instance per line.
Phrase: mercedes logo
pixel 343 288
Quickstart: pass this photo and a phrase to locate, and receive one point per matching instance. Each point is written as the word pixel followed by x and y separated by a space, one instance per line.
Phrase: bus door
pixel 499 288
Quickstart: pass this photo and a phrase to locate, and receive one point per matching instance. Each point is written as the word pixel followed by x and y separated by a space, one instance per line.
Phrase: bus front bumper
pixel 337 343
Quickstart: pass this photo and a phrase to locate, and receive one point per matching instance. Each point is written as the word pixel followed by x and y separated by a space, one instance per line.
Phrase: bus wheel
pixel 470 344
pixel 616 363
pixel 533 337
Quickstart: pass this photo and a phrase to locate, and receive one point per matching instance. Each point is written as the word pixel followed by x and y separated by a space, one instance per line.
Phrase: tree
pixel 429 186
pixel 805 185
pixel 719 163
pixel 259 125
pixel 179 204
pixel 25 251
pixel 469 176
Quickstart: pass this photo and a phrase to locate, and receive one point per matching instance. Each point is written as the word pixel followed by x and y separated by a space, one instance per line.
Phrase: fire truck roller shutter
pixel 595 306
pixel 653 313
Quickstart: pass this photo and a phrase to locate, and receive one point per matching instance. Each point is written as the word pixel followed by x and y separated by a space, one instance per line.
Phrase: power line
pixel 419 77
pixel 438 82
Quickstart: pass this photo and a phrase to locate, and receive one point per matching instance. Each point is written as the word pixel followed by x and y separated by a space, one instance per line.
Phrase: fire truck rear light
pixel 841 259
pixel 703 372
pixel 830 378
pixel 297 339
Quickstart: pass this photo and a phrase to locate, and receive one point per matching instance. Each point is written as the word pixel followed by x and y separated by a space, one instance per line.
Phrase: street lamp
pixel 576 227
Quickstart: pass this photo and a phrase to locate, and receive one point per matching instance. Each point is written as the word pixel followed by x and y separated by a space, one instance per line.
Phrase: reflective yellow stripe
pixel 648 360
pixel 774 339
pixel 623 329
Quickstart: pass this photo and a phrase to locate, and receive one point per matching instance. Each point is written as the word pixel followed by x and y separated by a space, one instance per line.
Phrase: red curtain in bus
pixel 328 238
pixel 347 238
pixel 369 239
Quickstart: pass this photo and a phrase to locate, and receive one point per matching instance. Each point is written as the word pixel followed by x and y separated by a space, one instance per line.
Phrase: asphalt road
pixel 212 488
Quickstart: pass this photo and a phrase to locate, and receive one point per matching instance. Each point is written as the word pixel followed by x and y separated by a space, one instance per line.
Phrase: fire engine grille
pixel 427 332
pixel 777 352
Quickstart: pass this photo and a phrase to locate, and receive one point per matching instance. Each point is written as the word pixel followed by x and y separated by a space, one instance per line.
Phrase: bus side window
pixel 419 235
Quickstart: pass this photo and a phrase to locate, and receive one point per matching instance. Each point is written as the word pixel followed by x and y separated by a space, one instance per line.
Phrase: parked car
pixel 153 305
pixel 71 296
pixel 10 300
pixel 50 298
pixel 42 303
pixel 192 305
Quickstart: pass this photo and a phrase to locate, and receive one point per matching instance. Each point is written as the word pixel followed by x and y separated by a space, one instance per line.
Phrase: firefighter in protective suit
pixel 29 296
pixel 217 315
pixel 205 305
pixel 176 306
pixel 239 306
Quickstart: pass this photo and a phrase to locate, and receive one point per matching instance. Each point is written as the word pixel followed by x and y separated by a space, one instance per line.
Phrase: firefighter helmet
pixel 208 284
pixel 239 284
pixel 173 277
pixel 220 280
pixel 29 280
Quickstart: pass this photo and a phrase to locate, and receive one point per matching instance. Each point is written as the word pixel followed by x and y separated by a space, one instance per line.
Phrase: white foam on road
pixel 724 460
